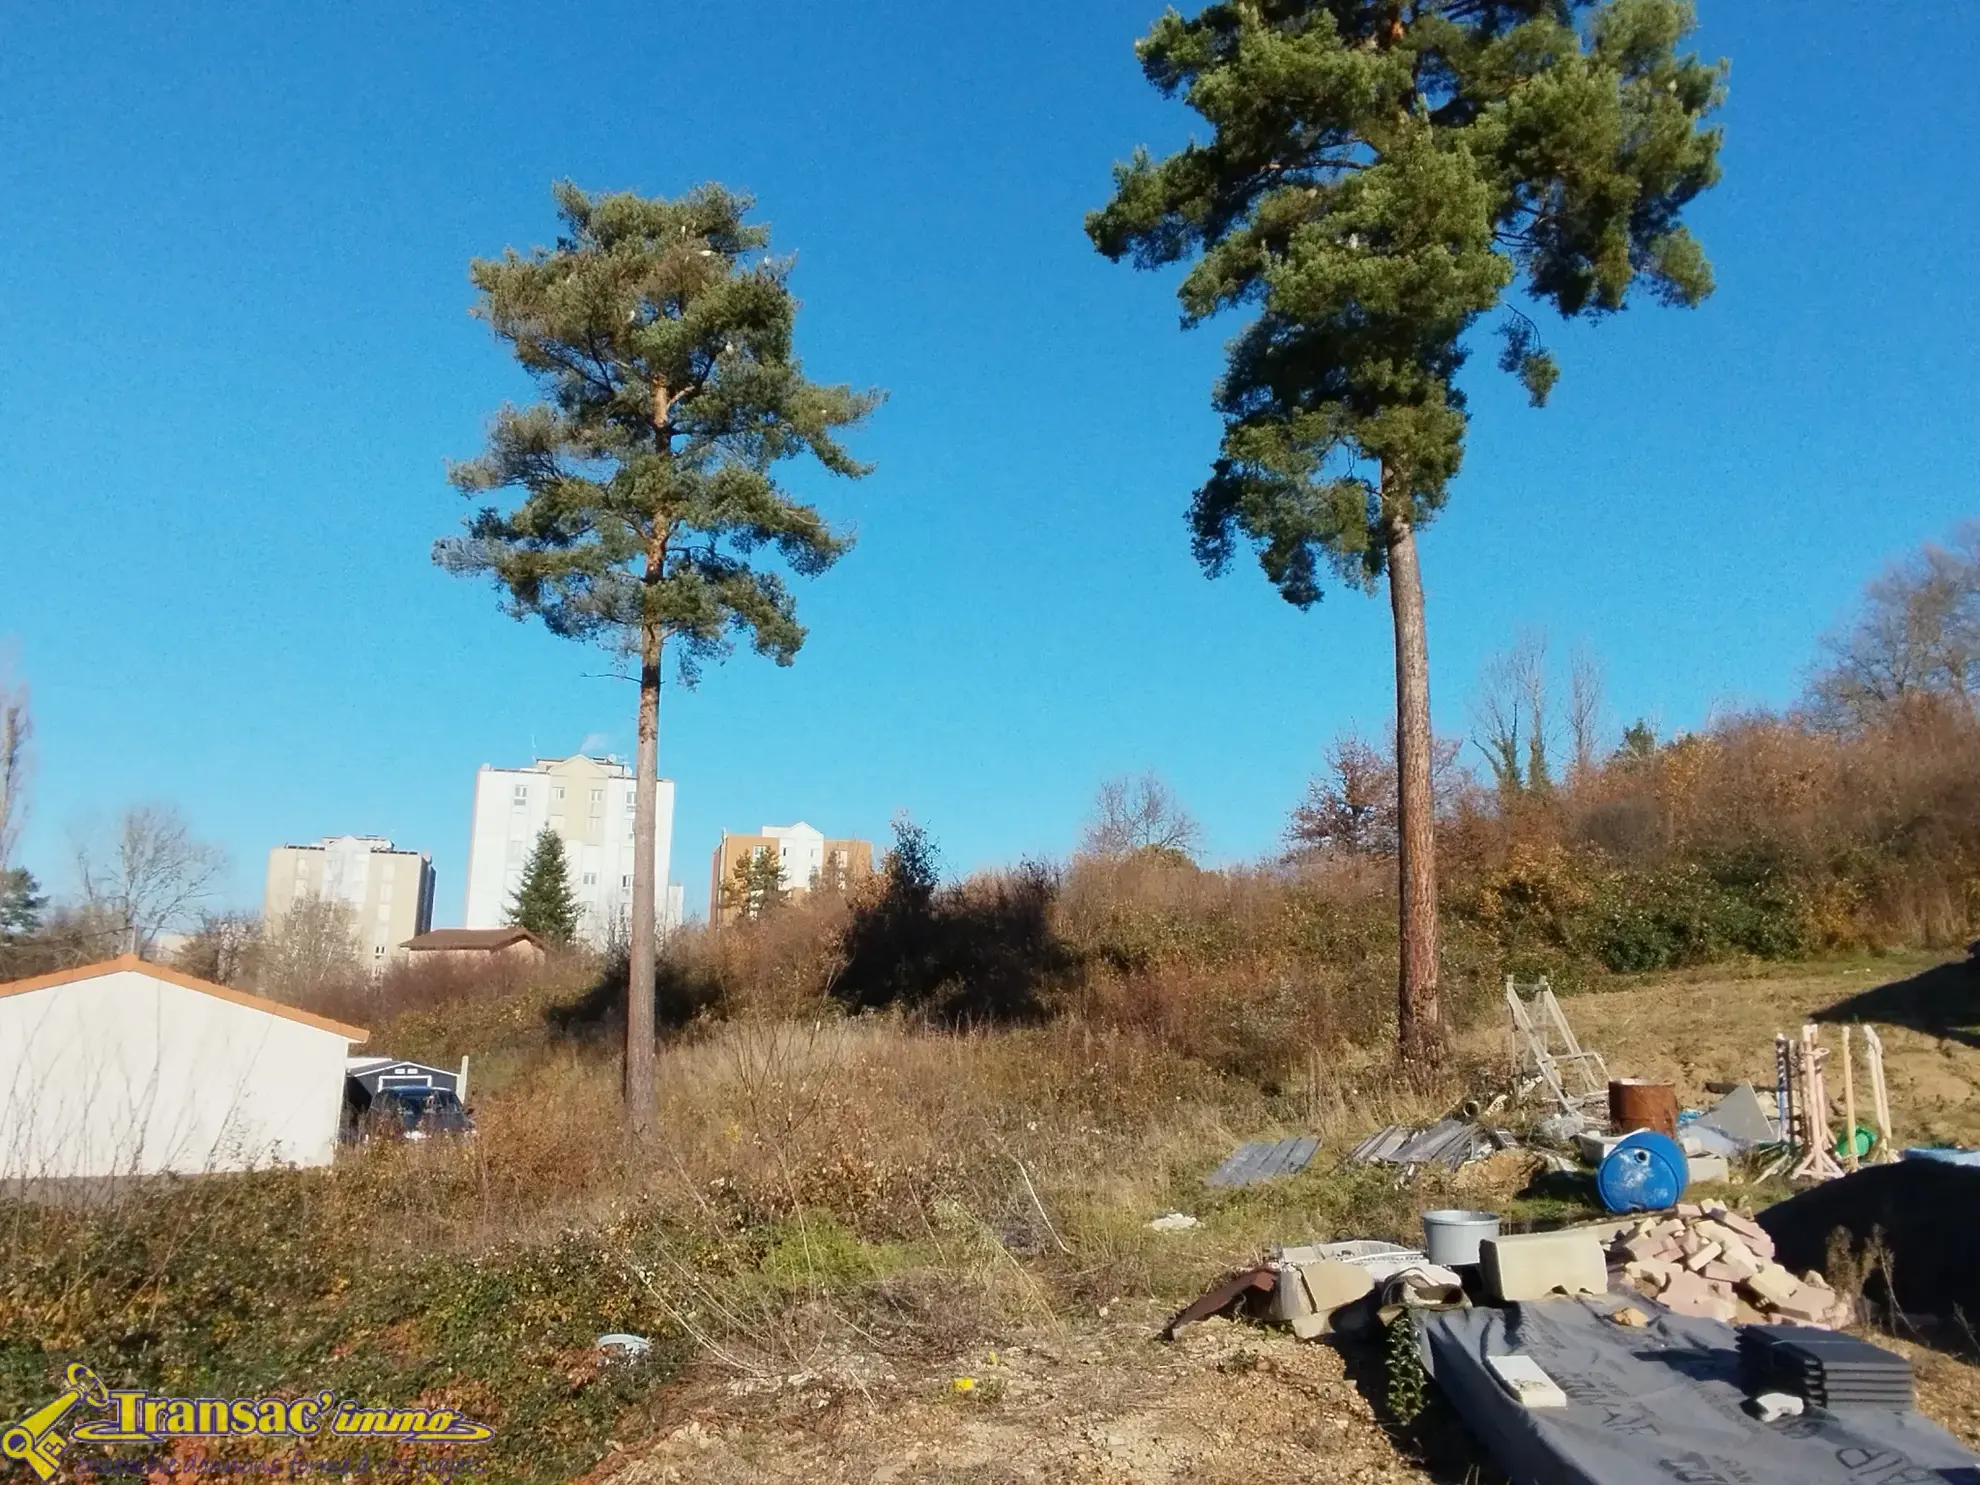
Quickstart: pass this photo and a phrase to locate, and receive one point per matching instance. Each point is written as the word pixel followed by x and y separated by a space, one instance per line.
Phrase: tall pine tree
pixel 544 902
pixel 1378 174
pixel 660 334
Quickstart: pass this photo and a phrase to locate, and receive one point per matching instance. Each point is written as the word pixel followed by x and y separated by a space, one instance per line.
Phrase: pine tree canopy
pixel 1379 174
pixel 544 902
pixel 660 333
pixel 21 902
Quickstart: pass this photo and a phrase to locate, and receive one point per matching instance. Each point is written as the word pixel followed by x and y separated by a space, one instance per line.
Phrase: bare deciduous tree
pixel 1509 715
pixel 1351 809
pixel 1585 711
pixel 225 948
pixel 15 728
pixel 1132 815
pixel 1917 637
pixel 310 949
pixel 148 878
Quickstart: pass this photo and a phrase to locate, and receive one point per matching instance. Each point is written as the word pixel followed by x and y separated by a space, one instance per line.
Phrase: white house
pixel 129 1068
pixel 588 803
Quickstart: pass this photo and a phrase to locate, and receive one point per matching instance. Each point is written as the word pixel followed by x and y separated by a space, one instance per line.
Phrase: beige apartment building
pixel 389 891
pixel 807 858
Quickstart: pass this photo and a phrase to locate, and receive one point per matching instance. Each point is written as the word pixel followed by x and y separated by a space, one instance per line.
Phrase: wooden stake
pixel 1880 1102
pixel 1818 1161
pixel 1849 1106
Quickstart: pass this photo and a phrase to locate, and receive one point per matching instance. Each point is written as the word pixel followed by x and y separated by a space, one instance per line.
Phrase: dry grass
pixel 869 1202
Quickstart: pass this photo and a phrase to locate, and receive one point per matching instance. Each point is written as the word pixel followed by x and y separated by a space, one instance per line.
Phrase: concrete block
pixel 1331 1285
pixel 1653 1276
pixel 1312 1327
pixel 1690 1295
pixel 1534 1265
pixel 1722 1273
pixel 1703 1168
pixel 1773 1286
pixel 1641 1248
pixel 1704 1258
pixel 1689 1209
pixel 1750 1232
pixel 1743 1263
pixel 1810 1307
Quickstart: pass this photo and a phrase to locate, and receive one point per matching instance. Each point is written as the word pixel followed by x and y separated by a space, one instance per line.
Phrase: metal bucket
pixel 1451 1237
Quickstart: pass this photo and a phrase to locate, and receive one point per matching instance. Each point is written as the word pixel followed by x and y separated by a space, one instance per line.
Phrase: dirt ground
pixel 1099 1400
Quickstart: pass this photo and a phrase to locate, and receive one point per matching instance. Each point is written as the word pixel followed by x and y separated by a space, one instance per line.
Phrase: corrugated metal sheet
pixel 1264 1160
pixel 1449 1142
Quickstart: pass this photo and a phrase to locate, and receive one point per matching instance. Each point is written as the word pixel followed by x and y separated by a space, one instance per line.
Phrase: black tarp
pixel 1660 1405
pixel 1922 1213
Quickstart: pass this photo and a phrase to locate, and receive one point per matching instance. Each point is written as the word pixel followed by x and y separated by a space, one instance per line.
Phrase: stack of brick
pixel 1709 1260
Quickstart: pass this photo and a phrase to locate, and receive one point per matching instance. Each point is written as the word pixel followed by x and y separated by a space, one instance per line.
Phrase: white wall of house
pixel 589 803
pixel 129 1073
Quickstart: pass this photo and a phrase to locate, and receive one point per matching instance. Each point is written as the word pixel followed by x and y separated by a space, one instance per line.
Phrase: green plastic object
pixel 1866 1140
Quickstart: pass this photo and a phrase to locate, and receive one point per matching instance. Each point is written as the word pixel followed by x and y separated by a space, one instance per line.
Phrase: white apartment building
pixel 389 891
pixel 588 802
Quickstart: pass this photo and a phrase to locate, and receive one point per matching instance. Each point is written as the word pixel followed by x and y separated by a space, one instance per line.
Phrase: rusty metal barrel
pixel 1636 1104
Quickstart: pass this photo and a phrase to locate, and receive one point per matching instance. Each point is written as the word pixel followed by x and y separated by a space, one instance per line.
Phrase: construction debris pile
pixel 1710 1261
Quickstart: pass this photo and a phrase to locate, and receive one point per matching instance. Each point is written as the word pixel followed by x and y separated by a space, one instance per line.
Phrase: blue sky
pixel 238 355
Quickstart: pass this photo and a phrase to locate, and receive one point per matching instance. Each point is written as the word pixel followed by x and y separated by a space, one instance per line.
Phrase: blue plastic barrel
pixel 1644 1172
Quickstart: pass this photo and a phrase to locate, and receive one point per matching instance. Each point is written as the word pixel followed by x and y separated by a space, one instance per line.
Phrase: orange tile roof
pixel 184 981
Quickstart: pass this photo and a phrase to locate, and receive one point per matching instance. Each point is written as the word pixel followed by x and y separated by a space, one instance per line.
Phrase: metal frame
pixel 1537 1025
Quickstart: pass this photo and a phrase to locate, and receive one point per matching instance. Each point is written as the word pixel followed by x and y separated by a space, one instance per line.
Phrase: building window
pixel 632 803
pixel 516 848
pixel 626 882
pixel 557 791
pixel 591 879
pixel 522 794
pixel 377 951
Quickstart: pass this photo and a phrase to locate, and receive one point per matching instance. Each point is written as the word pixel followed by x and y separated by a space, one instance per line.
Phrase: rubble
pixel 1709 1260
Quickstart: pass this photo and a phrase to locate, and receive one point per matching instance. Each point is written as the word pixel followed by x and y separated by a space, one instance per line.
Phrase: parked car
pixel 407 1113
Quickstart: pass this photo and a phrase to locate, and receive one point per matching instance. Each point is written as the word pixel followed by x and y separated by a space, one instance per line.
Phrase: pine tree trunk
pixel 1419 1025
pixel 639 980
